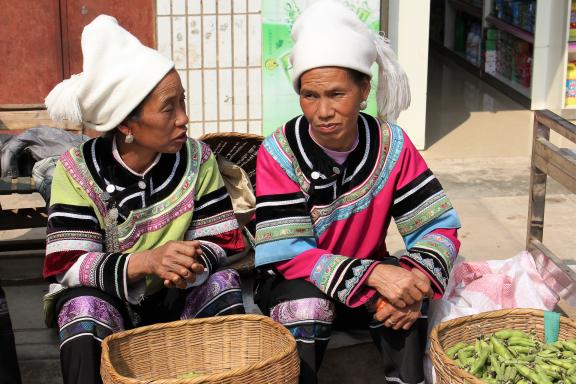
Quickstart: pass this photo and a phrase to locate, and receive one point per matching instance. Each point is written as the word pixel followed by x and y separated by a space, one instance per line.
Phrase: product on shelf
pixel 473 44
pixel 490 55
pixel 573 22
pixel 520 13
pixel 460 36
pixel 513 58
pixel 571 85
pixel 523 63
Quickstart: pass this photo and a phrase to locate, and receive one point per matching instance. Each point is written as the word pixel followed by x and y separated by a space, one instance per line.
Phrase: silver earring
pixel 129 139
pixel 363 105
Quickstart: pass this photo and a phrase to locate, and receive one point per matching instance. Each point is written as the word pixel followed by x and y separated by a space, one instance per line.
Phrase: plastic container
pixel 573 22
pixel 459 36
pixel 571 85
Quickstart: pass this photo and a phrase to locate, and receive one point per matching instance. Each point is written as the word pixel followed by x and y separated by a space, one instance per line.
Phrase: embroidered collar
pixel 118 158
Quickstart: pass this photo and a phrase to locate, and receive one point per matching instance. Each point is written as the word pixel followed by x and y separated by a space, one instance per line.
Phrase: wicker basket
pixel 239 148
pixel 467 328
pixel 226 349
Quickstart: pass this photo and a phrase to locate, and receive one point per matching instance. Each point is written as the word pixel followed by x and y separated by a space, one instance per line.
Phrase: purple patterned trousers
pixel 87 315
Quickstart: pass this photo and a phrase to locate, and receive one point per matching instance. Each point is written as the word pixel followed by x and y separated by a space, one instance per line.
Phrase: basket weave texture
pixel 239 148
pixel 225 349
pixel 468 328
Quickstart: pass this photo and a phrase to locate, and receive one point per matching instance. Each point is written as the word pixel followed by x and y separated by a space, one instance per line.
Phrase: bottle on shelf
pixel 573 22
pixel 523 63
pixel 460 36
pixel 473 44
pixel 571 85
pixel 520 13
pixel 490 55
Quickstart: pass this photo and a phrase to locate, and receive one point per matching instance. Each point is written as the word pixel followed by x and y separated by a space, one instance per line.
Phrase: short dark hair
pixel 357 77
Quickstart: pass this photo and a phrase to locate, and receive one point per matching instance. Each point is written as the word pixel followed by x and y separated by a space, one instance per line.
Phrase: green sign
pixel 280 101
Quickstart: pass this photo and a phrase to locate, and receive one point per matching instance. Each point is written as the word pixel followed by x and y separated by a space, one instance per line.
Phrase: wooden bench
pixel 20 218
pixel 15 119
pixel 560 164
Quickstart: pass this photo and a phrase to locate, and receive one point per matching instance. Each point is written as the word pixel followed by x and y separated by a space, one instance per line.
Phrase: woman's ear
pixel 124 128
pixel 365 88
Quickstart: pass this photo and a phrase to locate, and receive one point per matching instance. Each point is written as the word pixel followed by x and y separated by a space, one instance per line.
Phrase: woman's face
pixel 161 123
pixel 330 100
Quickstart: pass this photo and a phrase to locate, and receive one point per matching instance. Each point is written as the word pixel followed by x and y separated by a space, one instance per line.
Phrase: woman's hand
pixel 400 287
pixel 397 318
pixel 174 262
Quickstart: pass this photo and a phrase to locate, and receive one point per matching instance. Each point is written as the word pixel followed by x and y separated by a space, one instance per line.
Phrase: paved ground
pixel 490 195
pixel 480 151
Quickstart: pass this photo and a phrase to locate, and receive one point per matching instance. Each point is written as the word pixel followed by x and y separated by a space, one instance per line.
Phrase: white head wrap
pixel 328 34
pixel 118 73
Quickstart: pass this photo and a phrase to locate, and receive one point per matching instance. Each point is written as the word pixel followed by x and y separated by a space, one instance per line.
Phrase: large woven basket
pixel 239 148
pixel 467 328
pixel 226 349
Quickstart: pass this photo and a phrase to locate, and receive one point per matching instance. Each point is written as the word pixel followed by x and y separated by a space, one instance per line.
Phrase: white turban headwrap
pixel 118 73
pixel 328 34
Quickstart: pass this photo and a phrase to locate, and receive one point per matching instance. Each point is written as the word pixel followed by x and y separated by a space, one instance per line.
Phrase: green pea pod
pixel 500 348
pixel 546 371
pixel 513 373
pixel 550 347
pixel 521 349
pixel 521 341
pixel 569 345
pixel 464 355
pixel 532 375
pixel 526 358
pixel 495 365
pixel 561 363
pixel 508 333
pixel 483 352
pixel 506 374
pixel 451 352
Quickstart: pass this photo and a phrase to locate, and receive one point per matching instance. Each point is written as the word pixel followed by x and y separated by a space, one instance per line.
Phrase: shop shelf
pixel 466 7
pixel 572 46
pixel 524 91
pixel 511 29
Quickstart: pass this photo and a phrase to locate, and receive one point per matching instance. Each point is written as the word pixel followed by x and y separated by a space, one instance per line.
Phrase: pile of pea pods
pixel 512 356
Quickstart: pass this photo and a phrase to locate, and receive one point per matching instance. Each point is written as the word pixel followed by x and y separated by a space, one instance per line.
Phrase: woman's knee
pixel 221 294
pixel 88 316
pixel 224 280
pixel 312 310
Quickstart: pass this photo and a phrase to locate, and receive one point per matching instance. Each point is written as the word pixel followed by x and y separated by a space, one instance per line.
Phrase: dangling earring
pixel 363 105
pixel 129 139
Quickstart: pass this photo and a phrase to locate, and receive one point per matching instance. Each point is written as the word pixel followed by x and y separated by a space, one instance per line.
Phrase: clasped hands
pixel 402 292
pixel 175 262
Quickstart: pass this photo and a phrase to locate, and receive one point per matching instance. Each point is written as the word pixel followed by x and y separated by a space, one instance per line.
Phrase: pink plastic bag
pixel 480 286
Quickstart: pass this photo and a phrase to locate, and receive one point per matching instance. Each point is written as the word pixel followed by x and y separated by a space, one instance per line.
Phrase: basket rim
pixel 105 359
pixel 436 346
pixel 239 135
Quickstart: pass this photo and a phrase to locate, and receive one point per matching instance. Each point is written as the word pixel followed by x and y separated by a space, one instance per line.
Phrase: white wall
pixel 216 45
pixel 408 30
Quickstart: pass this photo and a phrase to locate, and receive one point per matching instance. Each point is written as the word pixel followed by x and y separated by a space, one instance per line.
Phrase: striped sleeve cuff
pixel 212 255
pixel 342 278
pixel 434 255
pixel 431 267
pixel 105 271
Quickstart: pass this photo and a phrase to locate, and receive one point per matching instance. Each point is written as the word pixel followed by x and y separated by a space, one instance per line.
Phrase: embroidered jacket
pixel 327 223
pixel 182 196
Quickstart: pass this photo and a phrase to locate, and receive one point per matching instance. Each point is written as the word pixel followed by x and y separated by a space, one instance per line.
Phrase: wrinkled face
pixel 330 100
pixel 161 123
